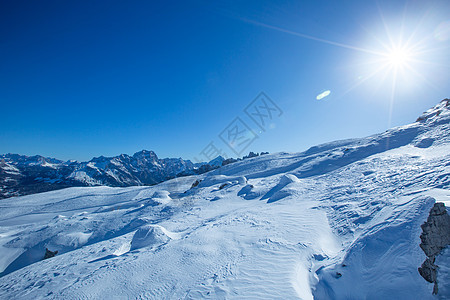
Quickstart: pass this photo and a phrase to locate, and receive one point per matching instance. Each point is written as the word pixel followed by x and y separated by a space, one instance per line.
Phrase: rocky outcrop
pixel 434 238
pixel 49 254
pixel 432 114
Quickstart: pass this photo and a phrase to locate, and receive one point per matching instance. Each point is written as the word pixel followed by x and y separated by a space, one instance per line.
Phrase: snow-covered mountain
pixel 23 175
pixel 143 168
pixel 341 220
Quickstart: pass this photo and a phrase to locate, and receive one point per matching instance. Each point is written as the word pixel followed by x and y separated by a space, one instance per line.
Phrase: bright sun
pixel 398 57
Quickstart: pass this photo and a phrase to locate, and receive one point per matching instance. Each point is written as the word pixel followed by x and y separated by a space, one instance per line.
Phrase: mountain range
pixel 23 175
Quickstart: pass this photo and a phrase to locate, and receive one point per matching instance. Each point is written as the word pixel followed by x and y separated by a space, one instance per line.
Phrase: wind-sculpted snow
pixel 339 221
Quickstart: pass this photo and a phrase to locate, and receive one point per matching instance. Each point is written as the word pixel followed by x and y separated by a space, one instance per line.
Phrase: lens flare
pixel 323 95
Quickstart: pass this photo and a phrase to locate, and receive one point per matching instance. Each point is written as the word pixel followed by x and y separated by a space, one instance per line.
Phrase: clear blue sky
pixel 86 78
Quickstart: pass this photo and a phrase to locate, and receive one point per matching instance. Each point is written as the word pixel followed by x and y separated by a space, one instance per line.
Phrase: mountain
pixel 216 162
pixel 23 175
pixel 143 168
pixel 352 219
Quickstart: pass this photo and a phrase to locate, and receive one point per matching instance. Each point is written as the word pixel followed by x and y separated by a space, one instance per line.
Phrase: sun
pixel 398 57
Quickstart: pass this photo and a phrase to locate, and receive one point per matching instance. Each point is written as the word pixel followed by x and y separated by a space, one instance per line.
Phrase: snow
pixel 49 165
pixel 216 162
pixel 341 221
pixel 10 169
pixel 152 235
pixel 82 176
pixel 443 273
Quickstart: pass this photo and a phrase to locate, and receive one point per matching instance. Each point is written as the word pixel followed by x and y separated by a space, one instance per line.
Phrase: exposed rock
pixel 205 168
pixel 434 112
pixel 229 161
pixel 223 185
pixel 250 155
pixel 435 231
pixel 435 237
pixel 428 270
pixel 49 254
pixel 196 183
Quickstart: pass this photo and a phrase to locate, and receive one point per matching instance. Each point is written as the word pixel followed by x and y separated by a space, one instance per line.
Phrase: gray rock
pixel 434 238
pixel 428 270
pixel 49 254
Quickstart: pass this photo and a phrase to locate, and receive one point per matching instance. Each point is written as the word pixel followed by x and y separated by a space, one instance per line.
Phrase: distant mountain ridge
pixel 23 175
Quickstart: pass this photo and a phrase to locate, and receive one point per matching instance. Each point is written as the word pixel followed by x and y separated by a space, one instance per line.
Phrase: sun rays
pixel 394 56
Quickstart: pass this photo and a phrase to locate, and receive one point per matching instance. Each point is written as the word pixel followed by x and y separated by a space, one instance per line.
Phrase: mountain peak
pixel 145 153
pixel 441 110
pixel 216 162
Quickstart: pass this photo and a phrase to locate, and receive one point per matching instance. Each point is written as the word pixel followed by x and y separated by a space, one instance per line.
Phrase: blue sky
pixel 81 79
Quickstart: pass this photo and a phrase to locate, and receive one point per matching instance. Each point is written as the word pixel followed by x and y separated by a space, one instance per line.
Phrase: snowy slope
pixel 339 221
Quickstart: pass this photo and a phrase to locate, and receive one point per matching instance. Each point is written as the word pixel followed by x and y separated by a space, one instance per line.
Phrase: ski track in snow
pixel 341 221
